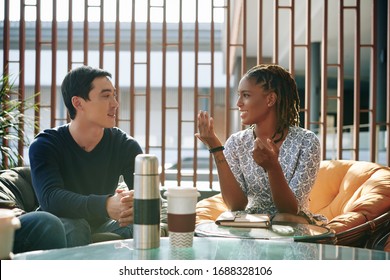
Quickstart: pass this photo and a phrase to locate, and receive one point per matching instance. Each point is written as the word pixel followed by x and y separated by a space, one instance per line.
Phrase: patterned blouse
pixel 299 157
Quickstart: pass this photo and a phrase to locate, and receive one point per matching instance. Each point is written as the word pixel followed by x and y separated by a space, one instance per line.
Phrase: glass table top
pixel 209 248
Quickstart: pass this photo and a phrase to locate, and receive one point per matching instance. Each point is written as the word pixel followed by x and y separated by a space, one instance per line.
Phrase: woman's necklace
pixel 254 134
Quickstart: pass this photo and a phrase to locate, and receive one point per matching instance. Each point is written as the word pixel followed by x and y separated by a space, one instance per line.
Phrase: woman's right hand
pixel 206 132
pixel 232 194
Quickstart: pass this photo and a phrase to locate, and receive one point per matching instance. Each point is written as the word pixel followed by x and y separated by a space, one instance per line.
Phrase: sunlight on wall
pixel 125 11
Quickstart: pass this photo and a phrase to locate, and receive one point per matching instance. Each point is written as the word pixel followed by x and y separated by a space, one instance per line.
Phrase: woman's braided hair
pixel 275 78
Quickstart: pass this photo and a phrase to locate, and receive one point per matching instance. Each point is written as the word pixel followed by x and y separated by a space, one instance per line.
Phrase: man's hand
pixel 127 211
pixel 120 207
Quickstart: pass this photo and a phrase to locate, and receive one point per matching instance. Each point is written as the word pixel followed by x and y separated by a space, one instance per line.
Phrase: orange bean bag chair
pixel 353 195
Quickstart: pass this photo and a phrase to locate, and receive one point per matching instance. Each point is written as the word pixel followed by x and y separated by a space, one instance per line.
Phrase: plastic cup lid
pixel 6 213
pixel 182 191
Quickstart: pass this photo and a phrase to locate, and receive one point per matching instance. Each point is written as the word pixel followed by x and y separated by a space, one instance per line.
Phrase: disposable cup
pixel 8 224
pixel 181 215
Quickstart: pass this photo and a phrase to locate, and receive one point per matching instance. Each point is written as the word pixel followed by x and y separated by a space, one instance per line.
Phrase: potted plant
pixel 12 122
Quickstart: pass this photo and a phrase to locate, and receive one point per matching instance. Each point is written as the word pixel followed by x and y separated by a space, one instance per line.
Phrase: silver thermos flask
pixel 147 202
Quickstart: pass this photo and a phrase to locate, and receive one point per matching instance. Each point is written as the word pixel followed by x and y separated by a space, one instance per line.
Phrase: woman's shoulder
pixel 302 132
pixel 240 141
pixel 301 137
pixel 242 135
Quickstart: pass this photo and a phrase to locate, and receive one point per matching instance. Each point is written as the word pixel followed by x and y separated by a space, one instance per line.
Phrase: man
pixel 75 167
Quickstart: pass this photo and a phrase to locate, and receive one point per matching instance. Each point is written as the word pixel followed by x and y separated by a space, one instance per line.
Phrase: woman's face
pixel 254 103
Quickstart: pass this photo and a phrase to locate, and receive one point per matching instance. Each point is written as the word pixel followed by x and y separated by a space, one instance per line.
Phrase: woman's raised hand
pixel 206 132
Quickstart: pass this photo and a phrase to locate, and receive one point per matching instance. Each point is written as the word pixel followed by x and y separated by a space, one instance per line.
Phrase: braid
pixel 275 78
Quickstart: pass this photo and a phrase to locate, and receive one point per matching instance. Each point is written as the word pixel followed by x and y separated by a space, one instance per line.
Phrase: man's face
pixel 101 107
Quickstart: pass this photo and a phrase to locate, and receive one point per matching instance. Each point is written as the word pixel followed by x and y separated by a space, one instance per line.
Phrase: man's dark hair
pixel 78 82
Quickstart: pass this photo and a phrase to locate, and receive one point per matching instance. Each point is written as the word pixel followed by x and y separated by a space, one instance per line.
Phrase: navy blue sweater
pixel 70 182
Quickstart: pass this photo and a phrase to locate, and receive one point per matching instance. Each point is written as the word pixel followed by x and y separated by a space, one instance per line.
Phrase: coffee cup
pixel 181 215
pixel 8 224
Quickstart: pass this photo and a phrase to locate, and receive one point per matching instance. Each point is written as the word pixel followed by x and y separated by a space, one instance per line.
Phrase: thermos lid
pixel 146 164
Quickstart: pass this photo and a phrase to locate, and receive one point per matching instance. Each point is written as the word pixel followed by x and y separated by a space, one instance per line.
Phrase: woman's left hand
pixel 265 154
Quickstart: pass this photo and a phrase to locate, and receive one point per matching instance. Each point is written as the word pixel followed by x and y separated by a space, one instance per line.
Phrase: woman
pixel 271 166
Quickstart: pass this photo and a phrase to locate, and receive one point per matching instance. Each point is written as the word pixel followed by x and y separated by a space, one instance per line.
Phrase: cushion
pixel 350 192
pixel 346 221
pixel 16 186
pixel 387 244
pixel 210 208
